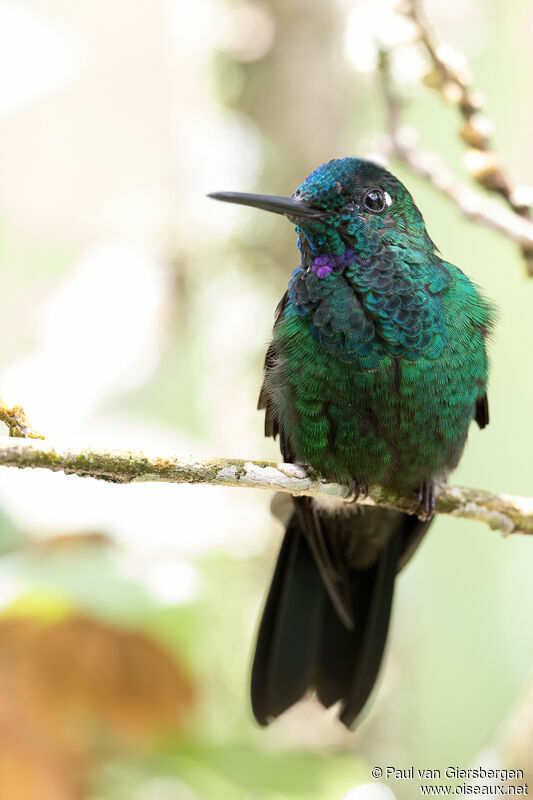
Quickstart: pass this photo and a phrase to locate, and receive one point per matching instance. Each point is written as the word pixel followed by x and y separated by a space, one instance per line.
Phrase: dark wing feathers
pixel 271 423
pixel 482 411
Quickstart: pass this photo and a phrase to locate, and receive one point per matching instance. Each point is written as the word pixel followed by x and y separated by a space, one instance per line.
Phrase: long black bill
pixel 288 206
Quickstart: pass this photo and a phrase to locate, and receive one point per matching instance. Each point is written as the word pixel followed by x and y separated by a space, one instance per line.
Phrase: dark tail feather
pixel 303 643
pixel 340 647
pixel 373 632
pixel 288 634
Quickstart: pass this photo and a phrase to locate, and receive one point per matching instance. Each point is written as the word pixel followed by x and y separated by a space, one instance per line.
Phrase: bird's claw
pixel 358 490
pixel 424 505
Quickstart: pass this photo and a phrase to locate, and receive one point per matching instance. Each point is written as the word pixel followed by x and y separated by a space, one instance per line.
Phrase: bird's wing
pixel 271 423
pixel 482 411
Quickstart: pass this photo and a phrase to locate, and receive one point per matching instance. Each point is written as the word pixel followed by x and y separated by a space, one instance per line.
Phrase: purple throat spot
pixel 324 265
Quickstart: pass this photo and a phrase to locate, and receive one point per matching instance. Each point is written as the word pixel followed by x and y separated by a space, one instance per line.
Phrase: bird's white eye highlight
pixel 388 198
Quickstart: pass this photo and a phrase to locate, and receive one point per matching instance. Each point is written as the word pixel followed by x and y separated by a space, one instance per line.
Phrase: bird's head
pixel 348 203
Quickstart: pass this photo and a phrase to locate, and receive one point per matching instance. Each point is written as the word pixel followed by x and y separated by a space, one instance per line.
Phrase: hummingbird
pixel 377 366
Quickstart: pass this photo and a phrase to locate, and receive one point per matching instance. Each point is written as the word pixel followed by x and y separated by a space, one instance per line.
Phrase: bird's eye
pixel 376 200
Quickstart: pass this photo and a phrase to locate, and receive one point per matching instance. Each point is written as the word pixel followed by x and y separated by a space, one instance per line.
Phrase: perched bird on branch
pixel 376 369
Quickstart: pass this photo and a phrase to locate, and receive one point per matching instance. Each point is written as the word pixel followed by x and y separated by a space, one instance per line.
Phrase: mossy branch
pixel 17 422
pixel 507 513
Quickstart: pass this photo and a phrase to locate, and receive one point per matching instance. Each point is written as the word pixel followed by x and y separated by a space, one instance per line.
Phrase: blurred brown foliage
pixel 73 690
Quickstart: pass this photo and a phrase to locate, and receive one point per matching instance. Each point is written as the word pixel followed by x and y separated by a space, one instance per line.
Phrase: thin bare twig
pixel 507 513
pixel 452 78
pixel 402 143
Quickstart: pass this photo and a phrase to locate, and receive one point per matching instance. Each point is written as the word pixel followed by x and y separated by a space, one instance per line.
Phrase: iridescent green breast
pixel 377 395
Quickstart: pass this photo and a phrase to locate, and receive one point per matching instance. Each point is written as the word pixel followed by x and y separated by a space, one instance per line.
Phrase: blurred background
pixel 135 312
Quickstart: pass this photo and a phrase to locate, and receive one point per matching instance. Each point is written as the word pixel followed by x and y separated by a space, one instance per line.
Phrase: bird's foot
pixel 424 505
pixel 358 490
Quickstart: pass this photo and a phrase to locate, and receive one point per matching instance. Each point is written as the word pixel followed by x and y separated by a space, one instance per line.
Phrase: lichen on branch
pixel 507 513
pixel 17 422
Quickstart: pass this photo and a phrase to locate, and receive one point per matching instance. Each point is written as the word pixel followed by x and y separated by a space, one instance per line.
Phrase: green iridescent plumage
pixel 376 369
pixel 377 366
